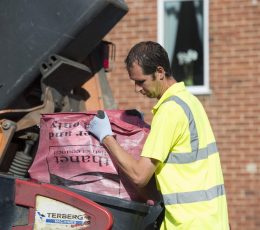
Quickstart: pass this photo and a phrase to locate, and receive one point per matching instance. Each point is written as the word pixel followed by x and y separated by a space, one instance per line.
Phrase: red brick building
pixel 232 102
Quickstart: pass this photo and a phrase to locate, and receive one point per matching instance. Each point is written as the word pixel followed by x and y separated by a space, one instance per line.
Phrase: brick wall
pixel 233 107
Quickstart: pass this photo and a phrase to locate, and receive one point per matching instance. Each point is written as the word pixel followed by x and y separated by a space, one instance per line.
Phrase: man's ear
pixel 160 72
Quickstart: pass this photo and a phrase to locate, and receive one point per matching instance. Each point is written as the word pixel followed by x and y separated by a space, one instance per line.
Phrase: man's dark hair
pixel 149 55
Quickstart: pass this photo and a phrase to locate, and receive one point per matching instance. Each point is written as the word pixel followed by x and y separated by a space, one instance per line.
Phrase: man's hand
pixel 100 126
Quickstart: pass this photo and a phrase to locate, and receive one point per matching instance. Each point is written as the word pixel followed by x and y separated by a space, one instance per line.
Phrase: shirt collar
pixel 172 90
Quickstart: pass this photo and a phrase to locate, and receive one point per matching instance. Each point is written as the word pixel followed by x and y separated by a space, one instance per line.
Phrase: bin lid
pixel 32 30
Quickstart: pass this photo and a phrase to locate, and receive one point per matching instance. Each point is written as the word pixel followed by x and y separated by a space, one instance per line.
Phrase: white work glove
pixel 100 126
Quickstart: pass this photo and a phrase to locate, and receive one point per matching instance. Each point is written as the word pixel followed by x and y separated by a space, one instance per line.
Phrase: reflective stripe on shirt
pixel 196 153
pixel 196 196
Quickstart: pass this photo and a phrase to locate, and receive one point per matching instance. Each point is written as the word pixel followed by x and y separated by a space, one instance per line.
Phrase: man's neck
pixel 167 83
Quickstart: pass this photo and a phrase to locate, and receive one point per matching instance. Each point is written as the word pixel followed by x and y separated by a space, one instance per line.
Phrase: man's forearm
pixel 139 171
pixel 124 160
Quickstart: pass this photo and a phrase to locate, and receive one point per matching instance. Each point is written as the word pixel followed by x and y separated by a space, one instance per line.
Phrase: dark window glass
pixel 183 39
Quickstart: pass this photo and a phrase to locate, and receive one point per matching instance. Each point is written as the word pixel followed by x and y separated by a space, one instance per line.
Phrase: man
pixel 180 149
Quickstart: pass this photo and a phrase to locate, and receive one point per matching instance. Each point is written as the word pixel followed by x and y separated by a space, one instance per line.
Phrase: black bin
pixel 128 215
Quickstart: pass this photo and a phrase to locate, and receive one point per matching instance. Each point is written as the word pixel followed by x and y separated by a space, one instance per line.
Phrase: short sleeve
pixel 166 129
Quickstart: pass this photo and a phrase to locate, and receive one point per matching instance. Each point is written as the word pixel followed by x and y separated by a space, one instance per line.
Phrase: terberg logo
pixel 62 218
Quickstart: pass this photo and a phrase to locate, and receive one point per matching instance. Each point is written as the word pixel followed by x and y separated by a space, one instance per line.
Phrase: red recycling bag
pixel 68 155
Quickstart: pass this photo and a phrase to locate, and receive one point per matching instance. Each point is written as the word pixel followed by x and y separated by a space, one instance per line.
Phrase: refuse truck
pixel 54 60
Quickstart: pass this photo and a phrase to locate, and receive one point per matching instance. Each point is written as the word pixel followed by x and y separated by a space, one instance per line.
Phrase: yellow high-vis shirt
pixel 189 175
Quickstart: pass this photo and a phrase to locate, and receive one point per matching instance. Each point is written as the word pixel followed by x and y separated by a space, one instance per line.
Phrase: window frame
pixel 201 89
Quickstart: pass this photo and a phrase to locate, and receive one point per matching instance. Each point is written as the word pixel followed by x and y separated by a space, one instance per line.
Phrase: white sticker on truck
pixel 51 214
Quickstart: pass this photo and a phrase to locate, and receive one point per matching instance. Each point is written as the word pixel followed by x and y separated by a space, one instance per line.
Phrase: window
pixel 183 31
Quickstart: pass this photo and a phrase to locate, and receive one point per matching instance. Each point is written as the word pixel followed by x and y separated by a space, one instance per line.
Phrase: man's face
pixel 145 84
